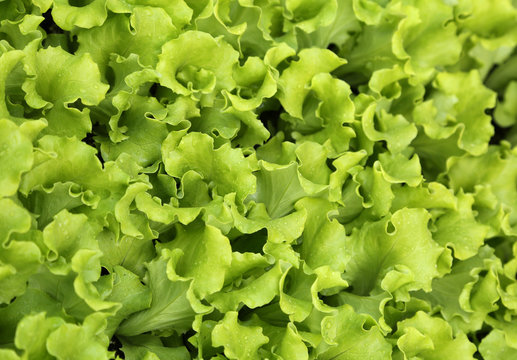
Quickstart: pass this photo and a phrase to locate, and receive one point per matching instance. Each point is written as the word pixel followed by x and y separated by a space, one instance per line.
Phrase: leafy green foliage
pixel 258 179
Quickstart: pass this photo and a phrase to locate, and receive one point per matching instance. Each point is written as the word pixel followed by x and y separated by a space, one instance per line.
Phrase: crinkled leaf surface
pixel 258 179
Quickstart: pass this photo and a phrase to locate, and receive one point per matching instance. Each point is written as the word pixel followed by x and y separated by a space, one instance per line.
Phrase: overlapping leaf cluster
pixel 258 179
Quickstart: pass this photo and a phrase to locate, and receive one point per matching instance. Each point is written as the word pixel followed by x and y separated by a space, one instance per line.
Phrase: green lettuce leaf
pixel 59 79
pixel 195 259
pixel 293 81
pixel 431 338
pixel 467 172
pixel 178 10
pixel 15 158
pixel 465 296
pixel 378 253
pixel 87 15
pixel 196 62
pixel 351 341
pixel 169 310
pixel 124 36
pixel 81 341
pixel 15 219
pixel 18 261
pixel 450 108
pixel 228 333
pixel 150 347
pixel 226 167
pixel 493 347
pixel 32 333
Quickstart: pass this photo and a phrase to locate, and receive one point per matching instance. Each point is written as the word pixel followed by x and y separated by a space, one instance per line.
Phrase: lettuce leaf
pixel 258 179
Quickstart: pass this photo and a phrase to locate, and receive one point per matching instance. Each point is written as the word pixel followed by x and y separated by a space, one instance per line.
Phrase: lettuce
pixel 258 179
